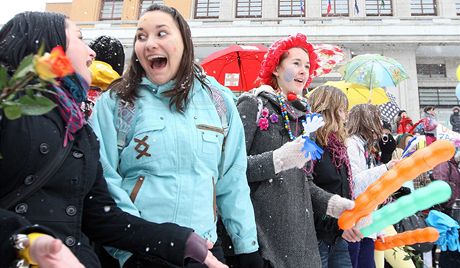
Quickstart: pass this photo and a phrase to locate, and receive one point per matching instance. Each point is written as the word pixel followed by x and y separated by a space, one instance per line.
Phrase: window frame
pixel 292 15
pixel 113 2
pixel 237 2
pixel 208 4
pixel 378 3
pixel 435 8
pixel 324 4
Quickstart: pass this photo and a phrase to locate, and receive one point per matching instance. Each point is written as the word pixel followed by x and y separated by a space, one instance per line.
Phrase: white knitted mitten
pixel 289 155
pixel 337 205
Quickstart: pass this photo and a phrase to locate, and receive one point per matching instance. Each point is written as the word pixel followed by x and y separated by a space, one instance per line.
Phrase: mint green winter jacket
pixel 169 169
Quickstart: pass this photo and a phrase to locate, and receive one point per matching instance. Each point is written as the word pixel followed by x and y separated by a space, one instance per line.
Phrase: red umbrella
pixel 235 67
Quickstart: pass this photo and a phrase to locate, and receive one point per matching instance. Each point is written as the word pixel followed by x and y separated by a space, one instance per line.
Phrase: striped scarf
pixel 72 89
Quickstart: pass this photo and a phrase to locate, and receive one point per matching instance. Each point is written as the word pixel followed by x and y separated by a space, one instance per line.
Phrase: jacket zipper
pixel 214 199
pixel 136 188
pixel 211 128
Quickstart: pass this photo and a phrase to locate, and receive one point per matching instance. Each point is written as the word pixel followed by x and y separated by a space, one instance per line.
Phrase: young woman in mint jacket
pixel 172 165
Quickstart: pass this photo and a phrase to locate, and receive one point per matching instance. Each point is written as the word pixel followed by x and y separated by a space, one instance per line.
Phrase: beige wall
pixel 85 10
pixel 88 10
pixel 64 8
pixel 184 7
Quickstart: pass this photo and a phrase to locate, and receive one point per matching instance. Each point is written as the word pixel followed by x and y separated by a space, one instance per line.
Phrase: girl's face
pixel 293 71
pixel 159 46
pixel 79 53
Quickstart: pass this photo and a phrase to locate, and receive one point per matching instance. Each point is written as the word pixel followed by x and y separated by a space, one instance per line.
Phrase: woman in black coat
pixel 72 200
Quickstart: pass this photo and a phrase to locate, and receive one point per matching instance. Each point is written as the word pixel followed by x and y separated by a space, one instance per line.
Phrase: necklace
pixel 284 114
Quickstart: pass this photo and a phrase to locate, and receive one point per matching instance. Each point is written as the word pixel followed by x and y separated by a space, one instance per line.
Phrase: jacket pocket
pixel 211 141
pixel 136 188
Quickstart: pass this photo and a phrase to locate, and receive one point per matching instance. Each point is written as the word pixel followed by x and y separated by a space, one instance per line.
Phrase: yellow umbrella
pixel 358 94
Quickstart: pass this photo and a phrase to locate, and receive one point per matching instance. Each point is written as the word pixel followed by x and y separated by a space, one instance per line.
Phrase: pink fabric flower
pixel 263 123
pixel 265 112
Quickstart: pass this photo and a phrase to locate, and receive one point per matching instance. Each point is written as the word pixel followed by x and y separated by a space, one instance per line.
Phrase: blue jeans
pixel 362 253
pixel 334 255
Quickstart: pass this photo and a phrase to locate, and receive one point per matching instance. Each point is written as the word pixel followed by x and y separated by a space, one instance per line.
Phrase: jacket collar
pixel 155 88
pixel 296 108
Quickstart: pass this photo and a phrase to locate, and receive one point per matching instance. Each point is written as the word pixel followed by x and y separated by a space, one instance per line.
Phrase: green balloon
pixel 423 198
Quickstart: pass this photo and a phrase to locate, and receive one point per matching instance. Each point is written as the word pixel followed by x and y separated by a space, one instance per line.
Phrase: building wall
pixel 64 8
pixel 410 40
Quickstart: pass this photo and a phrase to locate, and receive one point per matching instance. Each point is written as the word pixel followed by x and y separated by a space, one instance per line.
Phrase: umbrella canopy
pixel 357 94
pixel 235 67
pixel 373 70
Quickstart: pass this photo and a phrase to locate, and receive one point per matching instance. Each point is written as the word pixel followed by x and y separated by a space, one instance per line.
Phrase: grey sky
pixel 16 6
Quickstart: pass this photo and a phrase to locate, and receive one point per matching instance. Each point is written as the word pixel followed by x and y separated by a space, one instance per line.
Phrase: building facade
pixel 423 35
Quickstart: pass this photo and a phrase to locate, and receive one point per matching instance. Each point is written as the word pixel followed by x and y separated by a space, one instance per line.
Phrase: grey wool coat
pixel 283 202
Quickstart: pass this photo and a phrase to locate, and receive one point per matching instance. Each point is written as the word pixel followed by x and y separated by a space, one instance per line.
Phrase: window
pixel 248 8
pixel 379 8
pixel 111 9
pixel 334 8
pixel 207 9
pixel 431 70
pixel 146 3
pixel 457 7
pixel 439 97
pixel 423 7
pixel 291 8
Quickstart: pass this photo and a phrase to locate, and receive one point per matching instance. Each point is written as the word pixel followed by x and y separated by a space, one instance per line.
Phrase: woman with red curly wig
pixel 282 190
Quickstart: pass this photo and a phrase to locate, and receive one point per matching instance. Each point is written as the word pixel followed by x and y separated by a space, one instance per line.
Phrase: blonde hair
pixel 328 101
pixel 364 120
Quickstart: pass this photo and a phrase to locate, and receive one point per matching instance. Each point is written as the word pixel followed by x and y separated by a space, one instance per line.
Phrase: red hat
pixel 323 57
pixel 276 50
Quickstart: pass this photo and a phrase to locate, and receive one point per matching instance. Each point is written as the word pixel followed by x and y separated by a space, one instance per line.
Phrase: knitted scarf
pixel 339 154
pixel 72 89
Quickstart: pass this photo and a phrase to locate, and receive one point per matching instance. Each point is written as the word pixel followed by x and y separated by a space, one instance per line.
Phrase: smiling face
pixel 159 46
pixel 292 72
pixel 78 52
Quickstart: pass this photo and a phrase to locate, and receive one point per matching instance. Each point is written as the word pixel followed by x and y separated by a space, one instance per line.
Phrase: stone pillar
pixel 227 9
pixel 446 9
pixel 407 91
pixel 269 9
pixel 313 8
pixel 361 6
pixel 401 8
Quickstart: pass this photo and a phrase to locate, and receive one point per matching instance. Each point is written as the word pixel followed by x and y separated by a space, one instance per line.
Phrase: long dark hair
pixel 26 32
pixel 126 86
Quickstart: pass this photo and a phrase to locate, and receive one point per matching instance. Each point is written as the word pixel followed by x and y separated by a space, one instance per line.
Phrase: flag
pixel 329 7
pixel 356 7
pixel 390 109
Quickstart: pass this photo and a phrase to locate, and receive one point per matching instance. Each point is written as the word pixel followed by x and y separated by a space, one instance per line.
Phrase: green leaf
pixel 12 111
pixel 3 77
pixel 36 105
pixel 41 49
pixel 24 68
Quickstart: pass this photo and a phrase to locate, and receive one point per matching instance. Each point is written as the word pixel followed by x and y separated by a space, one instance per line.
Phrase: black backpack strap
pixel 43 175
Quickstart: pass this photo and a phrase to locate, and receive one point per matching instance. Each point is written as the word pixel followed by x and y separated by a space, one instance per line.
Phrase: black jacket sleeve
pixel 108 225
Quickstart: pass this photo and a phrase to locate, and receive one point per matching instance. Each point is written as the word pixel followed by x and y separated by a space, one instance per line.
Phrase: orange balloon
pixel 422 235
pixel 421 161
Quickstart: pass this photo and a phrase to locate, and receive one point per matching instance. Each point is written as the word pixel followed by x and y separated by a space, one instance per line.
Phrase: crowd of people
pixel 161 166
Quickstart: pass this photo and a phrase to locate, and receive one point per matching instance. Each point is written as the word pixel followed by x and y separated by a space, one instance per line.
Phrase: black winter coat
pixel 75 202
pixel 326 176
pixel 455 121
